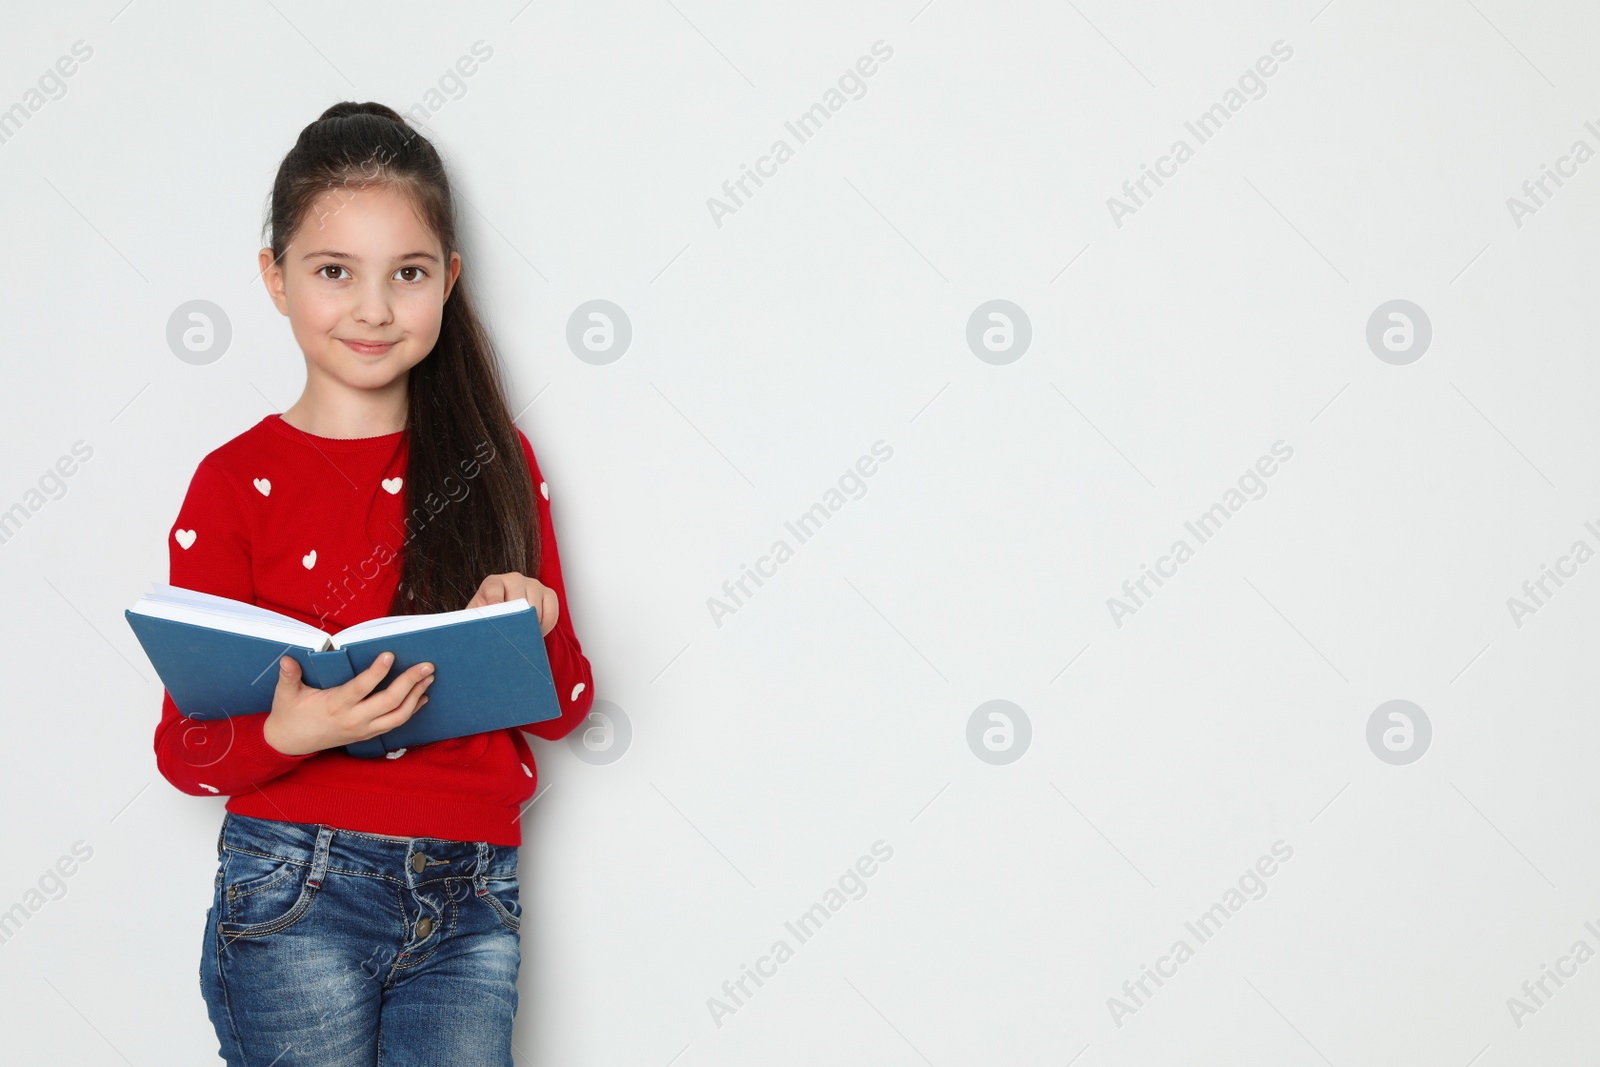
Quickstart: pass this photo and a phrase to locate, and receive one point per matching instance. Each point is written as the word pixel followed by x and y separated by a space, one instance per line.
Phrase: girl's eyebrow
pixel 356 259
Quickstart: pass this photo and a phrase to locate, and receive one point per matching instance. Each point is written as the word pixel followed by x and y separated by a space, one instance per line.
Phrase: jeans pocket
pixel 262 894
pixel 503 894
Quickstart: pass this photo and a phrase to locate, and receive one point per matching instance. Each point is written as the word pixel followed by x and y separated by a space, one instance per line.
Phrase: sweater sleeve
pixel 568 665
pixel 209 551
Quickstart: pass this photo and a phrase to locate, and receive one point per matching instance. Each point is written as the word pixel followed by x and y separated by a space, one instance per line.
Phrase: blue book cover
pixel 219 657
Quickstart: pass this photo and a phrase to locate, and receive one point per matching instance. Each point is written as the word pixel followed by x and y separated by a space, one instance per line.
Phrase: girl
pixel 368 909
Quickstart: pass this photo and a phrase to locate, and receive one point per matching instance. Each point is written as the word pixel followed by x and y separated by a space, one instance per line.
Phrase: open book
pixel 218 657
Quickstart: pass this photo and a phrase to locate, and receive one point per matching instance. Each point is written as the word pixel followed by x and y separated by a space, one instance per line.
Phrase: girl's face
pixel 363 283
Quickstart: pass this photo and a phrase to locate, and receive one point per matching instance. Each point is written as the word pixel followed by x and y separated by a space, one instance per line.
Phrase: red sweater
pixel 313 527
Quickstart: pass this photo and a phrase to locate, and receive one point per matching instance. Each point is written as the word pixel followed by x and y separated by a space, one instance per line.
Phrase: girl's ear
pixel 272 278
pixel 452 274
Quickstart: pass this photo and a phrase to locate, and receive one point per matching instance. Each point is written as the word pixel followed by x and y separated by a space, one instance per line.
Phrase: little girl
pixel 366 910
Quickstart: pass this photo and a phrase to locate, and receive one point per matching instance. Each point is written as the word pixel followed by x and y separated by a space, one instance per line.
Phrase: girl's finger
pixel 364 683
pixel 409 682
pixel 390 719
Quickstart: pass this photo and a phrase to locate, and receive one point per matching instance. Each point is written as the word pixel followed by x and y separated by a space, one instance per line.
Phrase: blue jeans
pixel 337 948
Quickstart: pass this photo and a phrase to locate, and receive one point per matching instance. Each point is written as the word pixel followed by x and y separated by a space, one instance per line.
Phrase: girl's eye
pixel 420 273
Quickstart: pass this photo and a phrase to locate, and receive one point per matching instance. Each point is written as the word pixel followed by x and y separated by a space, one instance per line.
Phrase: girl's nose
pixel 372 306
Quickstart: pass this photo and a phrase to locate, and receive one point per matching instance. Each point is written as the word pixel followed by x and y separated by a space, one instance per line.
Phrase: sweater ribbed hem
pixel 415 815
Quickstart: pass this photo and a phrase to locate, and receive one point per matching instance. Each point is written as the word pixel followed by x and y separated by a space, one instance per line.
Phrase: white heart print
pixel 185 537
pixel 264 486
pixel 392 485
pixel 309 559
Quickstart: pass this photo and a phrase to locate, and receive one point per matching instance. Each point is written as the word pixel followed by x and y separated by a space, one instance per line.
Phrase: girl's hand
pixel 305 719
pixel 498 588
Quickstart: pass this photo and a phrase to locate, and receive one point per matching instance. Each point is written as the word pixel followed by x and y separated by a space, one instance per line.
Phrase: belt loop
pixel 319 859
pixel 221 831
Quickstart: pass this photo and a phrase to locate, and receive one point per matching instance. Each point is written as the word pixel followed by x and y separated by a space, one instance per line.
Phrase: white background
pixel 831 710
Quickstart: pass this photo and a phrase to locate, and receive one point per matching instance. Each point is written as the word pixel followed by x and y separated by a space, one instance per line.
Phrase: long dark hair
pixel 456 407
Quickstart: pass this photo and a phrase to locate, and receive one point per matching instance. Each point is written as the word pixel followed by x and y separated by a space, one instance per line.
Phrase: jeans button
pixel 419 861
pixel 424 928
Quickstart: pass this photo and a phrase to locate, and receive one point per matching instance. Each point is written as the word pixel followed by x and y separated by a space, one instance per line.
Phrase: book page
pixel 390 625
pixel 177 594
pixel 215 613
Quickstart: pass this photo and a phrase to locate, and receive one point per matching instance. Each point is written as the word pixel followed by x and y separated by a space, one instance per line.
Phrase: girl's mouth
pixel 368 349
